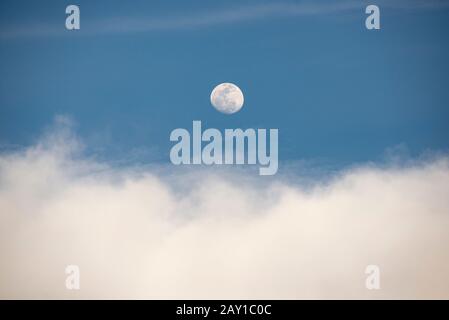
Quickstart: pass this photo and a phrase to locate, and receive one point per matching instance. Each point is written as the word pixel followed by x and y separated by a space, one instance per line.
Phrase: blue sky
pixel 137 70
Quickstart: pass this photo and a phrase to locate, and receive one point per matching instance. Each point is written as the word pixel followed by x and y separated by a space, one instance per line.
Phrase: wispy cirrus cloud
pixel 173 21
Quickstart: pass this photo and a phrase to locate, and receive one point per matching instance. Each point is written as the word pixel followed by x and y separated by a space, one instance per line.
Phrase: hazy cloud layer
pixel 138 234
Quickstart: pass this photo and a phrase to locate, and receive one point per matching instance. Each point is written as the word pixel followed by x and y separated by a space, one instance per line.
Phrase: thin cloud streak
pixel 192 20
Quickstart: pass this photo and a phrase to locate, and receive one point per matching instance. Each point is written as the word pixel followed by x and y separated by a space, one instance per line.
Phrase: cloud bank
pixel 140 233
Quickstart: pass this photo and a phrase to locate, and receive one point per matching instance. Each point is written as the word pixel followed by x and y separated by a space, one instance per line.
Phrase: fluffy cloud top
pixel 140 233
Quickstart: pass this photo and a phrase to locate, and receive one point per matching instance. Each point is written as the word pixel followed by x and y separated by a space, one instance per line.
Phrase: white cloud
pixel 136 233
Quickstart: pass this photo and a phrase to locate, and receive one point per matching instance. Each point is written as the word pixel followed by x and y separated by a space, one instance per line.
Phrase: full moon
pixel 227 98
